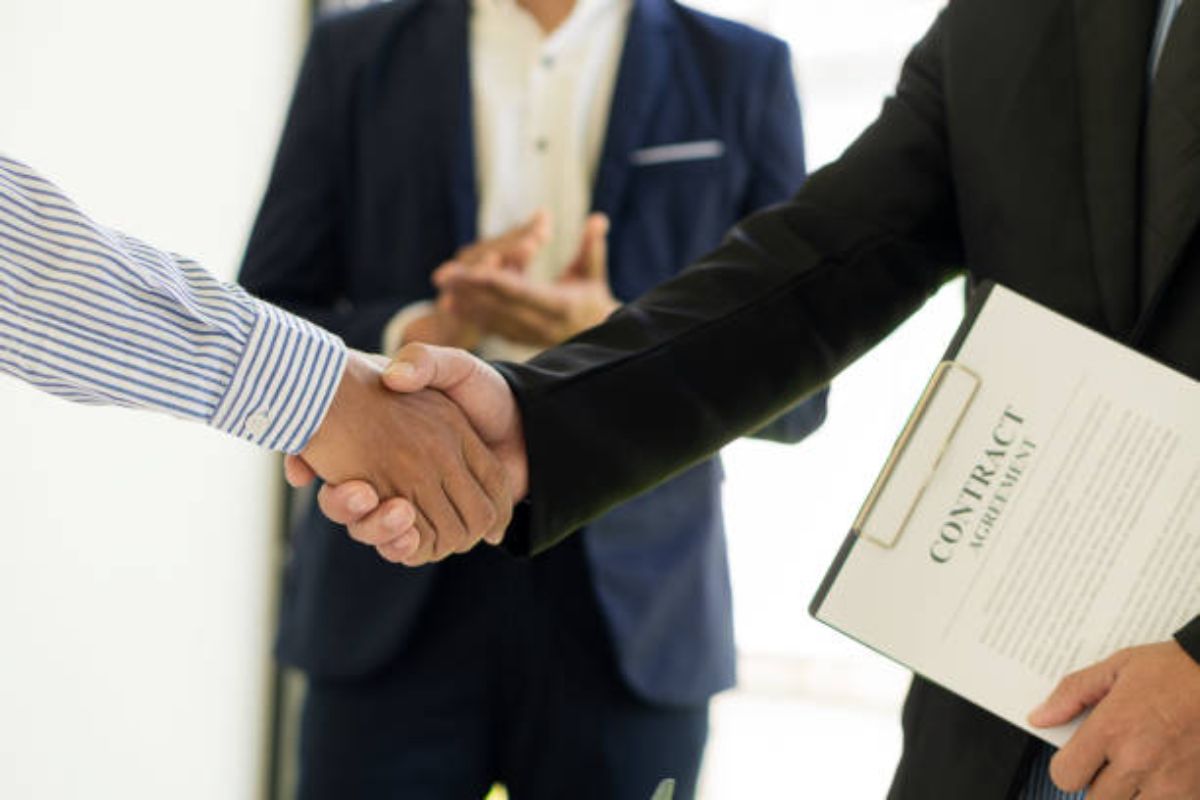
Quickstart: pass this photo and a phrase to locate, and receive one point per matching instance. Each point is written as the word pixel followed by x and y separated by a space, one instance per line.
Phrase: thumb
pixel 528 239
pixel 1076 693
pixel 592 261
pixel 420 366
pixel 413 368
pixel 538 226
pixel 473 385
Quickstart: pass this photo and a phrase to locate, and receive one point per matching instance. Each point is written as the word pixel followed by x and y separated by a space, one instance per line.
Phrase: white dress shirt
pixel 94 316
pixel 540 105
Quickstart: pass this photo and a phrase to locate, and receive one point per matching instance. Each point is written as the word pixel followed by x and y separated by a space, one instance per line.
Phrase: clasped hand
pixel 442 440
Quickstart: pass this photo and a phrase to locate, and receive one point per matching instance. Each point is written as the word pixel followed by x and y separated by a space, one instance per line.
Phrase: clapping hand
pixel 506 302
pixel 511 252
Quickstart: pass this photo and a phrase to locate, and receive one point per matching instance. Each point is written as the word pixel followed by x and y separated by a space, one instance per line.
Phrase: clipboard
pixel 918 449
pixel 1043 491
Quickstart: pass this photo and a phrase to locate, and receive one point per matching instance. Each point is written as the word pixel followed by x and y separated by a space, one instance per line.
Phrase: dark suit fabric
pixel 1009 152
pixel 374 186
pixel 510 677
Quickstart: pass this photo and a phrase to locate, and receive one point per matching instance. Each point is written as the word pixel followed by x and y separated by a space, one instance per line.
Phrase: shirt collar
pixel 583 8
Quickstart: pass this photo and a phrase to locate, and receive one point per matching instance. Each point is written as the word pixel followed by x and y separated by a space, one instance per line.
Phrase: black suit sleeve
pixel 1189 638
pixel 778 170
pixel 295 255
pixel 794 295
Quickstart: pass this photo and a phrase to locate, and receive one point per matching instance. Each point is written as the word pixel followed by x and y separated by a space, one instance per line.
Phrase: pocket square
pixel 681 151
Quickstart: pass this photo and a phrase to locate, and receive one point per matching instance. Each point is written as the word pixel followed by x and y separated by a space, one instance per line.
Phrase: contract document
pixel 1040 510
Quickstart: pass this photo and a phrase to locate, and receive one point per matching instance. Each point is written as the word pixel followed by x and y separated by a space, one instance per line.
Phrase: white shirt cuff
pixel 393 332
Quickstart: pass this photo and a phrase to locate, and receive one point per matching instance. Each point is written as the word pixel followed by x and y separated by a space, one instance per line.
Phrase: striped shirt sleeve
pixel 94 316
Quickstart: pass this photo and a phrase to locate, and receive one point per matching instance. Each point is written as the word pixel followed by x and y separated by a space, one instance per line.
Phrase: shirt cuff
pixel 1189 638
pixel 393 332
pixel 284 382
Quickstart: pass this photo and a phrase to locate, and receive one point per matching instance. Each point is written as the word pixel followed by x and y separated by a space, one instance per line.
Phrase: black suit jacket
pixel 1010 151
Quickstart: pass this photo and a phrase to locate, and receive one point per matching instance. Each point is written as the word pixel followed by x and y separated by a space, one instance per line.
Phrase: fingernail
pixel 401 369
pixel 360 503
pixel 406 544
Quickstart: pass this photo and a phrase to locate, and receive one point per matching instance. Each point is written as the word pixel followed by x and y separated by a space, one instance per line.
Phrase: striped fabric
pixel 94 316
pixel 1039 786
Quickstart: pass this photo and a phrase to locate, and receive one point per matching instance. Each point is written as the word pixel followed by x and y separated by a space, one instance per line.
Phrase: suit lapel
pixel 1187 229
pixel 1113 49
pixel 641 77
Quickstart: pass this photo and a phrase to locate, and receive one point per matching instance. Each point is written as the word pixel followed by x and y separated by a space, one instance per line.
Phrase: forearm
pixel 705 358
pixel 94 316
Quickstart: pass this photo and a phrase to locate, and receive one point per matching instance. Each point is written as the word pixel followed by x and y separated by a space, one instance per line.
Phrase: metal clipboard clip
pixel 916 454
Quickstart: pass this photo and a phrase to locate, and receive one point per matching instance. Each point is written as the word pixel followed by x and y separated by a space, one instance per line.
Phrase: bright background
pixel 137 553
pixel 138 556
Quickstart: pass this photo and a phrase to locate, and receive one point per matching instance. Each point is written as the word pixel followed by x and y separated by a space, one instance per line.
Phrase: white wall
pixel 136 552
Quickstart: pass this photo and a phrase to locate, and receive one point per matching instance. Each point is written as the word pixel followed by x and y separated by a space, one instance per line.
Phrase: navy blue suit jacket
pixel 374 186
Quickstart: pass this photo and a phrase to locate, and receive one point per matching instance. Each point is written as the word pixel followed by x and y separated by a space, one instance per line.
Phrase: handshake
pixel 423 457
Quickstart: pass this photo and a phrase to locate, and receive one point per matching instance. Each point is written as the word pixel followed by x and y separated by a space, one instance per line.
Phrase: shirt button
pixel 548 62
pixel 542 144
pixel 258 422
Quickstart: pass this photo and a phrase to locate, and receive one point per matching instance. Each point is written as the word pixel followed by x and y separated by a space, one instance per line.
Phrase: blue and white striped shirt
pixel 94 316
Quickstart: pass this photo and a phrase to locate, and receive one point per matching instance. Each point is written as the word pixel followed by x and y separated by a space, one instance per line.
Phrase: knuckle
pixel 1167 785
pixel 489 516
pixel 1071 684
pixel 497 475
pixel 386 554
pixel 1139 755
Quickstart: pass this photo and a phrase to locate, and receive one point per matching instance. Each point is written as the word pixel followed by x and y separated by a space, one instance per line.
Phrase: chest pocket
pixel 679 153
pixel 680 178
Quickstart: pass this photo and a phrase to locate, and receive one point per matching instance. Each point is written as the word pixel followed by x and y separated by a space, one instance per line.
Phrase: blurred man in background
pixel 418 127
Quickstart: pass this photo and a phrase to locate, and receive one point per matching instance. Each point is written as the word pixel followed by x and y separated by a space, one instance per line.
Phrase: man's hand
pixel 487 402
pixel 507 303
pixel 511 251
pixel 418 447
pixel 1143 736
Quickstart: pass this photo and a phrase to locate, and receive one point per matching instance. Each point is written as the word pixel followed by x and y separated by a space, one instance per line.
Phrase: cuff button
pixel 258 422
